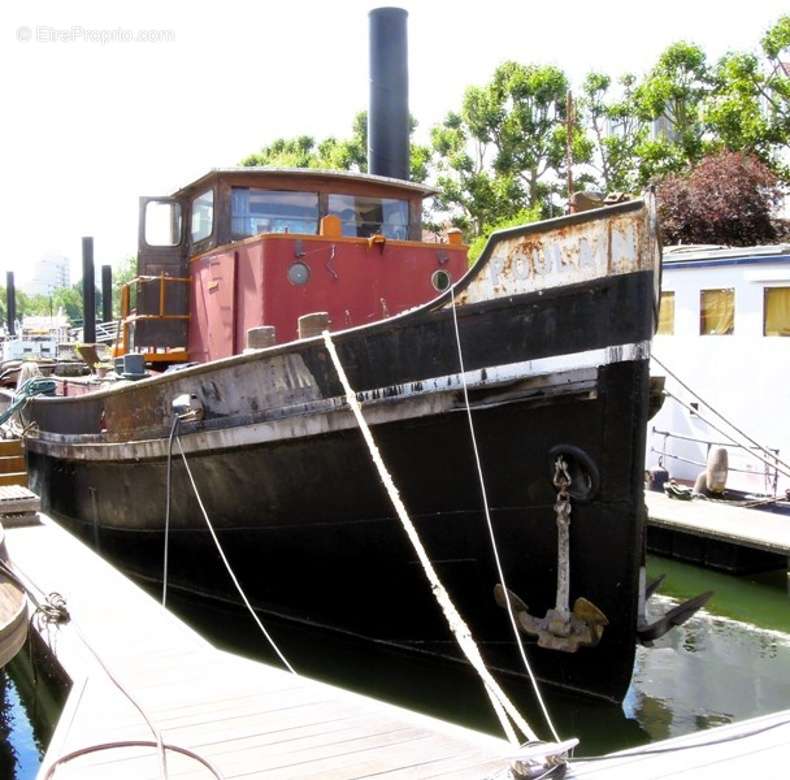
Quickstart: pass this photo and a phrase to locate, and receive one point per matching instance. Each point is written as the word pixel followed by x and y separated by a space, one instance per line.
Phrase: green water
pixel 729 662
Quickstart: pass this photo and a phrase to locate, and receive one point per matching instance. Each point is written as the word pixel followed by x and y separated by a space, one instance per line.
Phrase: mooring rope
pixel 227 563
pixel 52 610
pixel 505 710
pixel 484 494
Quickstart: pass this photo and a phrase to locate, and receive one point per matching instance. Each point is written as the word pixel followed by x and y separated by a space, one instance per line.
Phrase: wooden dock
pixel 252 720
pixel 249 719
pixel 720 532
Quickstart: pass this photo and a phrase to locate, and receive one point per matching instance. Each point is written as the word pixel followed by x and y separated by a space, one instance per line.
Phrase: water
pixel 728 663
pixel 30 704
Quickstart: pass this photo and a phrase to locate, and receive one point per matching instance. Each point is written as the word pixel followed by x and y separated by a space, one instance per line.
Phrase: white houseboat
pixel 724 319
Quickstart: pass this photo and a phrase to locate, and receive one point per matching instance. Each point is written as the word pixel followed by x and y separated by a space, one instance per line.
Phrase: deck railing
pixel 130 315
pixel 771 475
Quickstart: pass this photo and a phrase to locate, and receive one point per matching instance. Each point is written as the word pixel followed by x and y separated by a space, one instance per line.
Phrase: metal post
pixel 88 292
pixel 569 121
pixel 106 293
pixel 10 292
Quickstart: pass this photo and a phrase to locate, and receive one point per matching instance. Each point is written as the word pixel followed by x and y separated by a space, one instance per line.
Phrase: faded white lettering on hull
pixel 566 255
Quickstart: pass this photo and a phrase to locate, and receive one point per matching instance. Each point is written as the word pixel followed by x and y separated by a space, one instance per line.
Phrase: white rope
pixel 492 536
pixel 225 561
pixel 502 705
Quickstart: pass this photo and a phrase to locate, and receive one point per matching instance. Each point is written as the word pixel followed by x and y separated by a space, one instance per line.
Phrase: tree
pixel 123 274
pixel 728 198
pixel 672 95
pixel 350 154
pixel 70 300
pixel 505 150
pixel 618 131
pixel 749 105
pixel 472 194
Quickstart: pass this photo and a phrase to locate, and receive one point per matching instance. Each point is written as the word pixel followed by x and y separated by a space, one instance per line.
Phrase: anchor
pixel 647 633
pixel 561 628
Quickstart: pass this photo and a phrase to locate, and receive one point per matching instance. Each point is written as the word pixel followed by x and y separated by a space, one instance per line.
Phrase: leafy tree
pixel 617 130
pixel 348 154
pixel 123 274
pixel 469 191
pixel 728 198
pixel 673 93
pixel 749 106
pixel 505 150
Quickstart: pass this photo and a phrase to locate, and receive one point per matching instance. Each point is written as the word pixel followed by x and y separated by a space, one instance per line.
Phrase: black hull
pixel 309 531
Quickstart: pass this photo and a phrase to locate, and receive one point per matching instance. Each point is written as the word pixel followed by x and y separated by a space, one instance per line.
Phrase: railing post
pixel 162 294
pixel 124 319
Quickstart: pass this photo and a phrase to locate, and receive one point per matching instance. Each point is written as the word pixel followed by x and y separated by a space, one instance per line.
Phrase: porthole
pixel 441 280
pixel 298 274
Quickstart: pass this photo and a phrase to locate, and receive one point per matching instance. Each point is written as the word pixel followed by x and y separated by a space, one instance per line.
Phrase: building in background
pixel 50 273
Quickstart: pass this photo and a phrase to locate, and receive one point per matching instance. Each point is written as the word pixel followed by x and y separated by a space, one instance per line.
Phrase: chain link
pixel 562 481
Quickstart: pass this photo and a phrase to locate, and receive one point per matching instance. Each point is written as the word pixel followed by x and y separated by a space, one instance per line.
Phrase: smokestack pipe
pixel 88 293
pixel 388 110
pixel 106 293
pixel 10 309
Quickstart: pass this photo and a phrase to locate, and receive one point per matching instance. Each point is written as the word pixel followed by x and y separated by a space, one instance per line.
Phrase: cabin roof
pixel 715 253
pixel 320 173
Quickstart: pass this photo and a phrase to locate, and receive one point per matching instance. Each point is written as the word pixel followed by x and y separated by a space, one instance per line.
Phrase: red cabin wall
pixel 354 282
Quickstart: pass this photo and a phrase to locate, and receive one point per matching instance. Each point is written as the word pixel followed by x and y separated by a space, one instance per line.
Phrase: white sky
pixel 87 127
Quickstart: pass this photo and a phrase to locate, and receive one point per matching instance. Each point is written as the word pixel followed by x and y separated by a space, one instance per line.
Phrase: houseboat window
pixel 202 216
pixel 364 216
pixel 716 312
pixel 666 314
pixel 776 311
pixel 162 223
pixel 256 211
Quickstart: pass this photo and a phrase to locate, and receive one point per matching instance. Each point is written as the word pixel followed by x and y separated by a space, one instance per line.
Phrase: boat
pixel 725 314
pixel 13 609
pixel 544 341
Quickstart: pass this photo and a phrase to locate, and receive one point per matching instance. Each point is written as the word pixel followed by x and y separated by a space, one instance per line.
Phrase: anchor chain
pixel 562 508
pixel 562 628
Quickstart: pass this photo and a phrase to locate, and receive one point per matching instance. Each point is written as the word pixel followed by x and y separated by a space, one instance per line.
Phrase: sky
pixel 106 101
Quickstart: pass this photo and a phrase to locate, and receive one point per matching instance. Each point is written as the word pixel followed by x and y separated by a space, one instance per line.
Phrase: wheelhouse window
pixel 666 314
pixel 776 311
pixel 366 216
pixel 717 312
pixel 255 211
pixel 202 216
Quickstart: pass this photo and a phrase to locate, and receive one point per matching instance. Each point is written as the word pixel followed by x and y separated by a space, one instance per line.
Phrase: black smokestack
pixel 88 293
pixel 106 293
pixel 388 111
pixel 10 308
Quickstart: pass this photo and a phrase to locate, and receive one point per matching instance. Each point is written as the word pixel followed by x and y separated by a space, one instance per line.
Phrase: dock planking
pixel 248 718
pixel 749 528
